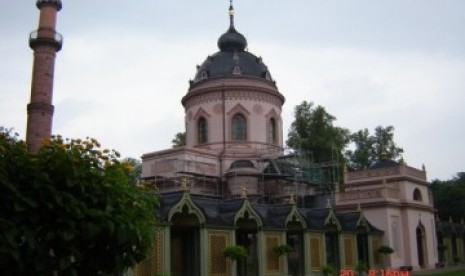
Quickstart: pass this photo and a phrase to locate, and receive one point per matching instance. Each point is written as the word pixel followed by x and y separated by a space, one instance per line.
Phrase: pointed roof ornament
pixel 232 40
pixel 231 13
pixel 383 155
pixel 244 193
pixel 359 207
pixel 184 181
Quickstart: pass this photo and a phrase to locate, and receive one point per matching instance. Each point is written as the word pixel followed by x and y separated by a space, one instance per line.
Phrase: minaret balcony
pixel 45 37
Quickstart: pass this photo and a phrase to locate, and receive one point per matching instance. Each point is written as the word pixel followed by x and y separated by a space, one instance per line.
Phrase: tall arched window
pixel 238 127
pixel 202 129
pixel 271 135
pixel 417 195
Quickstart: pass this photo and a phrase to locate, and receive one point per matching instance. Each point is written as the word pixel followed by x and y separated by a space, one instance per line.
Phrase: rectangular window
pixel 316 256
pixel 217 263
pixel 272 260
pixel 349 256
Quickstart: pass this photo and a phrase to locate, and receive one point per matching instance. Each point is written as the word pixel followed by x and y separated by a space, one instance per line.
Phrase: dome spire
pixel 232 40
pixel 231 14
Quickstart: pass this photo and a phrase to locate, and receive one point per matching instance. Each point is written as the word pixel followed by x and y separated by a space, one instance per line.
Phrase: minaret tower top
pixel 45 42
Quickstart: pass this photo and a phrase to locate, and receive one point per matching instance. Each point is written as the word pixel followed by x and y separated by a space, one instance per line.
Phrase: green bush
pixel 71 208
pixel 282 249
pixel 235 252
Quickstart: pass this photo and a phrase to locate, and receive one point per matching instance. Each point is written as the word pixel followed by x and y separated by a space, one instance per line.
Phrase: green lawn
pixel 460 272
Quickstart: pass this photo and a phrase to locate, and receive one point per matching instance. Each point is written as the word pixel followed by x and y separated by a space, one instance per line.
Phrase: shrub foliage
pixel 71 209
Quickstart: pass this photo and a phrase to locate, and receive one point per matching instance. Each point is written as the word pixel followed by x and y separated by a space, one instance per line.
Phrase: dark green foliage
pixel 313 132
pixel 385 249
pixel 282 249
pixel 136 165
pixel 449 197
pixel 314 136
pixel 368 149
pixel 179 140
pixel 71 209
pixel 235 252
pixel 327 270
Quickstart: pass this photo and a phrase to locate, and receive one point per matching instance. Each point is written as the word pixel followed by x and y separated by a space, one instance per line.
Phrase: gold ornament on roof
pixel 244 192
pixel 184 182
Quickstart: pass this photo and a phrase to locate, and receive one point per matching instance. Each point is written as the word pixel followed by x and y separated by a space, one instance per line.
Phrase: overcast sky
pixel 125 65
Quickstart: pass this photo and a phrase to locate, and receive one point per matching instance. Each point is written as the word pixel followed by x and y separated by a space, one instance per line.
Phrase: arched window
pixel 239 127
pixel 202 129
pixel 271 135
pixel 417 195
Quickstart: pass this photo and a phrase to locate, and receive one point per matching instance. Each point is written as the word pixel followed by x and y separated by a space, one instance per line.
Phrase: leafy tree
pixel 364 154
pixel 448 197
pixel 70 209
pixel 314 135
pixel 370 148
pixel 313 132
pixel 136 165
pixel 179 140
pixel 384 143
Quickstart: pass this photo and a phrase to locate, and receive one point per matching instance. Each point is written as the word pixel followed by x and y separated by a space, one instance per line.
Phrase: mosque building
pixel 232 186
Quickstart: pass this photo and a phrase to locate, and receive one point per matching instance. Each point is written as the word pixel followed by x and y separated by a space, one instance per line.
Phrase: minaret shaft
pixel 45 42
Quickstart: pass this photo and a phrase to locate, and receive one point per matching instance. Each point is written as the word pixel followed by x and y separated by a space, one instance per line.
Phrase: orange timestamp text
pixel 374 272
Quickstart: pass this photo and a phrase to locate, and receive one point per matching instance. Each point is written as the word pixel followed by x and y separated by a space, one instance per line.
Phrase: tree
pixel 136 165
pixel 384 143
pixel 364 154
pixel 313 132
pixel 369 149
pixel 448 197
pixel 179 140
pixel 70 209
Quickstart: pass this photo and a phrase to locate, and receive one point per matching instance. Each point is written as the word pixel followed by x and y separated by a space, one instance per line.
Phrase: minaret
pixel 45 42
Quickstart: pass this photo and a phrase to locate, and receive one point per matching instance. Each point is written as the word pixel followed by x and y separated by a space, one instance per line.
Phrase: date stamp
pixel 374 272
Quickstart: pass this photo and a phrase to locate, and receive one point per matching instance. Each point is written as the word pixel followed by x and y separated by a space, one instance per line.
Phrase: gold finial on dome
pixel 231 12
pixel 384 155
pixel 184 181
pixel 244 192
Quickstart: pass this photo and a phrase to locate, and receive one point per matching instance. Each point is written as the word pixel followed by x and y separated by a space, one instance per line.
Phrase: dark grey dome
pixel 232 41
pixel 232 59
pixel 226 63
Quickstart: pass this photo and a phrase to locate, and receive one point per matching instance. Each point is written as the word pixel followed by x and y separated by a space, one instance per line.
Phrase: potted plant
pixel 327 270
pixel 361 267
pixel 385 250
pixel 236 252
pixel 282 249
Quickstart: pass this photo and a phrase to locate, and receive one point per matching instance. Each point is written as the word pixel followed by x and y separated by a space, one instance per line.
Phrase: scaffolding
pixel 278 176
